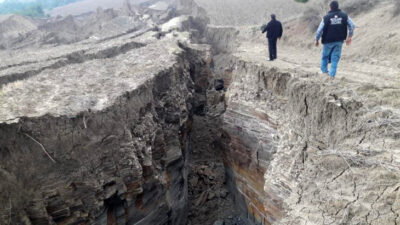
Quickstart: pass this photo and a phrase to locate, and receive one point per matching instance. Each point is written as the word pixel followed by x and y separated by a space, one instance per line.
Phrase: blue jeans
pixel 331 52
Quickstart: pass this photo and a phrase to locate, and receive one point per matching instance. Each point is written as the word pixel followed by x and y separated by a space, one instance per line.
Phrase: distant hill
pixel 242 13
pixel 33 8
pixel 85 6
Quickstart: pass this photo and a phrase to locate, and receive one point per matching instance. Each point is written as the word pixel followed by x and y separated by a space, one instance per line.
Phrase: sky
pixel 19 0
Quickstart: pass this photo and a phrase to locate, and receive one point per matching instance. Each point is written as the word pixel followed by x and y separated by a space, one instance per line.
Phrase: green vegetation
pixel 34 8
pixel 302 1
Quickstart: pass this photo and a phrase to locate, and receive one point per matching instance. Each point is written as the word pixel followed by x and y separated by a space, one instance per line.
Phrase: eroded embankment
pixel 124 164
pixel 298 150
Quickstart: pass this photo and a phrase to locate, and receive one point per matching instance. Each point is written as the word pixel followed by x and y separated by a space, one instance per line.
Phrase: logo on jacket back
pixel 336 20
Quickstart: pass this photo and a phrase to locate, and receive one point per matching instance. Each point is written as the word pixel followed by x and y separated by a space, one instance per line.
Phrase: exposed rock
pixel 174 24
pixel 223 193
pixel 219 222
pixel 219 84
pixel 208 195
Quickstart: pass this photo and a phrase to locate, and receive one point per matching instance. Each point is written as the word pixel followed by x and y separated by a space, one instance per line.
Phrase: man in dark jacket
pixel 333 29
pixel 274 32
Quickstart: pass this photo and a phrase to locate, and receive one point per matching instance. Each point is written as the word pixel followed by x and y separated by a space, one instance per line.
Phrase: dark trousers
pixel 272 48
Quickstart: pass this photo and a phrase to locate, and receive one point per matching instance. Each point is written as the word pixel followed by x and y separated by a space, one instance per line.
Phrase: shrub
pixel 314 13
pixel 396 11
pixel 312 17
pixel 355 7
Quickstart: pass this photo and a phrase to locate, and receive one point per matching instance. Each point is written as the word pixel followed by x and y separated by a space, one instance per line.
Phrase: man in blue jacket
pixel 333 30
pixel 274 32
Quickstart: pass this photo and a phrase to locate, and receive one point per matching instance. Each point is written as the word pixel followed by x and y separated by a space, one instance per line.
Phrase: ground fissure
pixel 210 134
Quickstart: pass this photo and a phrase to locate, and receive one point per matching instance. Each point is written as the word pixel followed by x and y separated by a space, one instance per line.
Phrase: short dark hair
pixel 273 16
pixel 334 5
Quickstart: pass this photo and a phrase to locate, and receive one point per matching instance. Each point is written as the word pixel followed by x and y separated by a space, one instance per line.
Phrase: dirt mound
pixel 13 27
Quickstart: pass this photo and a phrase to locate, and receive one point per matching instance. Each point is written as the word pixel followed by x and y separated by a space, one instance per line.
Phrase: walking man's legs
pixel 325 57
pixel 336 54
pixel 332 51
pixel 272 48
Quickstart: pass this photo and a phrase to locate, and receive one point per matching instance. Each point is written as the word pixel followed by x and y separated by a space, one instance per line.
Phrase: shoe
pixel 329 80
pixel 270 60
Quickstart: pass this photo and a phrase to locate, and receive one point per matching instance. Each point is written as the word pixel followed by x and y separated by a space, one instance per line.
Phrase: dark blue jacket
pixel 274 29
